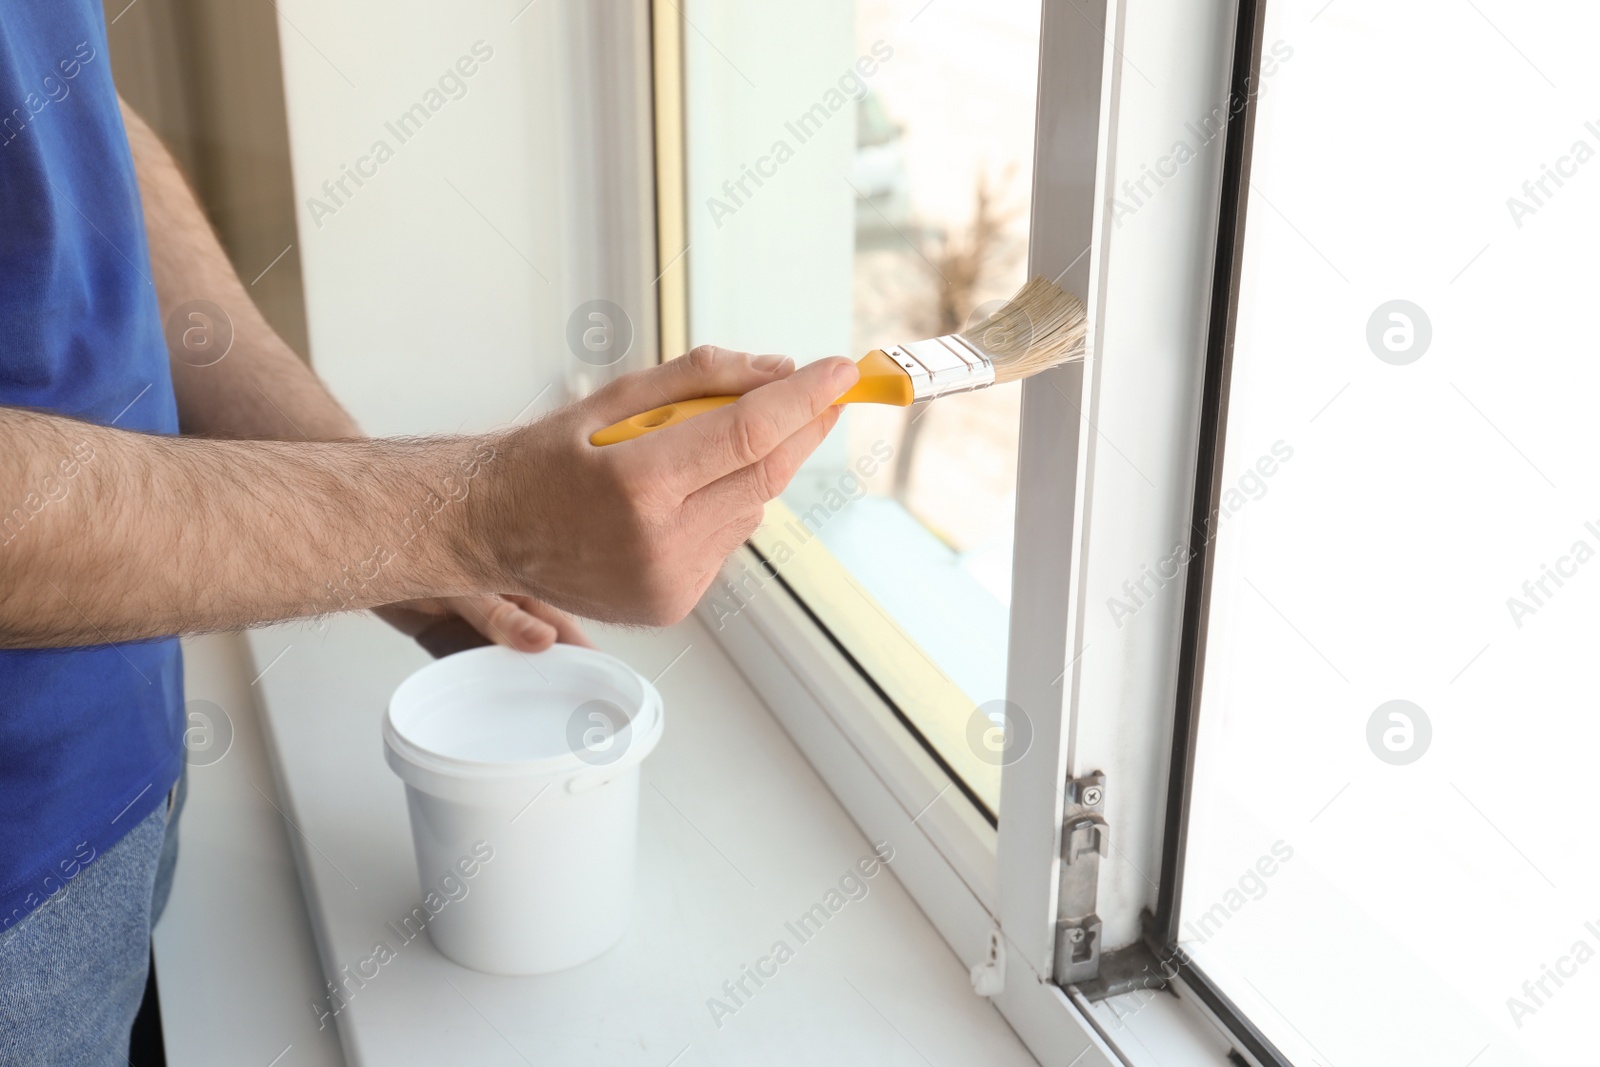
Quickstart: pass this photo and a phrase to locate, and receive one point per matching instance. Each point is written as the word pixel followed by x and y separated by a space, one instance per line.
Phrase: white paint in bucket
pixel 536 755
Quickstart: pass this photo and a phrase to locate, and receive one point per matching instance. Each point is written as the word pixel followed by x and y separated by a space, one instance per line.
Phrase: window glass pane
pixel 893 142
pixel 1390 860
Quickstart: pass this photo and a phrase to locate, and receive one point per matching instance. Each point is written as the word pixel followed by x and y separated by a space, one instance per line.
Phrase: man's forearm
pixel 260 388
pixel 108 536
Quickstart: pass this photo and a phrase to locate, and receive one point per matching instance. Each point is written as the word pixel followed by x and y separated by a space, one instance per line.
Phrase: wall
pixel 205 75
pixel 432 287
pixel 429 297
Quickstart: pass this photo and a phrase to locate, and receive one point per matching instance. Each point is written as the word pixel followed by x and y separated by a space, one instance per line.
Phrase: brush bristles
pixel 1041 327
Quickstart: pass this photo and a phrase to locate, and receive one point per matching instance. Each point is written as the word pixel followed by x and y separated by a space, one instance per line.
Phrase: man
pixel 143 496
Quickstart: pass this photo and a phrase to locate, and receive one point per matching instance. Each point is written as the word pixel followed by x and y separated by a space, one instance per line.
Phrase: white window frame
pixel 1107 465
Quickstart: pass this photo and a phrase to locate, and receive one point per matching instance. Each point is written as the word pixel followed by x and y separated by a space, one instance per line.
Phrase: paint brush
pixel 1039 328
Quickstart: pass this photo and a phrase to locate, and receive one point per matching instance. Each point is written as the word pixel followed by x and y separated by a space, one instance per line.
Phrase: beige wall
pixel 206 75
pixel 434 290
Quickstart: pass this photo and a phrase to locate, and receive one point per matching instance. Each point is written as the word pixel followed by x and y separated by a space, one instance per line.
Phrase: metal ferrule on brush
pixel 942 366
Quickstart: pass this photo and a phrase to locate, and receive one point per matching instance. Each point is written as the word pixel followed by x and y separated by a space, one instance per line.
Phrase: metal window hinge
pixel 1085 837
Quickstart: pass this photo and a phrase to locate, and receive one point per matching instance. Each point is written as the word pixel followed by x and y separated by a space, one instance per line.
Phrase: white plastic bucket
pixel 522 778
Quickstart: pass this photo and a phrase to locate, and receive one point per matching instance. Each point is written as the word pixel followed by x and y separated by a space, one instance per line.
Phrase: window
pixel 859 175
pixel 1391 741
pixel 1300 568
pixel 884 642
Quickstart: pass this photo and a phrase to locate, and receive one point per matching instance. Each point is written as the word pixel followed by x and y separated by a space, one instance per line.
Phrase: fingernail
pixel 773 364
pixel 845 374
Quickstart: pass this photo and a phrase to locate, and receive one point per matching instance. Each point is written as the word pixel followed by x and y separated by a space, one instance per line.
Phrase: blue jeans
pixel 72 973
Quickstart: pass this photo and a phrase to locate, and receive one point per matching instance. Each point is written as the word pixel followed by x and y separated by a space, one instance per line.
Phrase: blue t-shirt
pixel 90 738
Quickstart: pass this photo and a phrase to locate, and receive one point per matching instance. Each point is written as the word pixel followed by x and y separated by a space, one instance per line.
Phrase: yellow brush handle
pixel 882 382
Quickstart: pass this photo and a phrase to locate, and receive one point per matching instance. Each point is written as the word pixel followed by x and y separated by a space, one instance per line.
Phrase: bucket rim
pixel 645 723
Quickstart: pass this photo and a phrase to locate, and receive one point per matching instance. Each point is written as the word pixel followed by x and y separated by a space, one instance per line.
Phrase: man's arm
pixel 111 536
pixel 108 535
pixel 261 388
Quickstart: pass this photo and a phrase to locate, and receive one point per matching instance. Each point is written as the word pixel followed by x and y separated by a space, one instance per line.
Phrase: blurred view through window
pixel 919 584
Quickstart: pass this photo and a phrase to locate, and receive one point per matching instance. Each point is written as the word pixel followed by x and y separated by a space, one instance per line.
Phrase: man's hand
pixel 450 624
pixel 634 532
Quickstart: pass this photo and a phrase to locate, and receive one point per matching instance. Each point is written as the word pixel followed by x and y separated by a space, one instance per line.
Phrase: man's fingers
pixel 698 452
pixel 507 623
pixel 760 482
pixel 567 630
pixel 705 371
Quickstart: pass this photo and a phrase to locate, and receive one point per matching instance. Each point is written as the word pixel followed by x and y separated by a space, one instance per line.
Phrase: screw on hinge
pixel 1092 796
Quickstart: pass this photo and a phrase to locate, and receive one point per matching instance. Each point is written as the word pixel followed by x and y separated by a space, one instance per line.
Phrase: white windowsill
pixel 235 957
pixel 738 835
